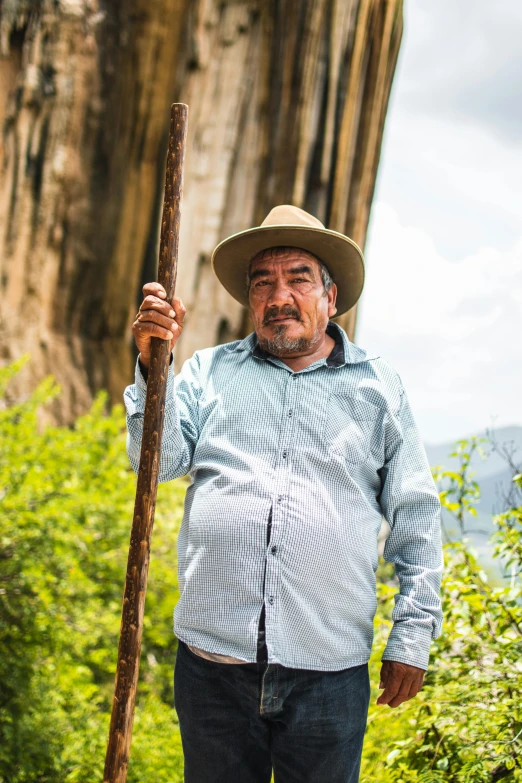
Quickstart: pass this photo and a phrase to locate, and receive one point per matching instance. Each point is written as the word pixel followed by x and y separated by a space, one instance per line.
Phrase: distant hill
pixel 494 478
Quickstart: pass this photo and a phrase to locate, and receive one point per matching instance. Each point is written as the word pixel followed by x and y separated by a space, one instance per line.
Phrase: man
pixel 296 442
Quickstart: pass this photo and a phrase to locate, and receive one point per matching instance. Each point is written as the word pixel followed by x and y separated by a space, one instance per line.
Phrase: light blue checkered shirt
pixel 330 449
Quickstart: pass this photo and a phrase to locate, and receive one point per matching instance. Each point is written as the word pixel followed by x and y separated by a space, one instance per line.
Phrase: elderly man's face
pixel 288 303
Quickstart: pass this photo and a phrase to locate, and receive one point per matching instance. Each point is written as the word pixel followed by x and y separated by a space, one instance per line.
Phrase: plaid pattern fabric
pixel 330 449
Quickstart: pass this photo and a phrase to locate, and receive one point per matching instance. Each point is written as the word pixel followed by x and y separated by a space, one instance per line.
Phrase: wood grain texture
pixel 118 749
pixel 83 161
pixel 288 101
pixel 291 110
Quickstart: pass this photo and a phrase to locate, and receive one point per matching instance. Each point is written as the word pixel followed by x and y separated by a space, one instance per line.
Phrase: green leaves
pixel 459 491
pixel 66 502
pixel 466 723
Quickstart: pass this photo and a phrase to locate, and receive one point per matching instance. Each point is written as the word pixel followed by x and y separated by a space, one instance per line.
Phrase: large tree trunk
pixel 287 102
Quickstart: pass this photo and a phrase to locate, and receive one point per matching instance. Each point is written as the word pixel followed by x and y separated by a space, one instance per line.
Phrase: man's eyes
pixel 294 280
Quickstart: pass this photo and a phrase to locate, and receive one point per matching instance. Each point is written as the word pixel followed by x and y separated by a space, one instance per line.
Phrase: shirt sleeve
pixel 181 423
pixel 410 502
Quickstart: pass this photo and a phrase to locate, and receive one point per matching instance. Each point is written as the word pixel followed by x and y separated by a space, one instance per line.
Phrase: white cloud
pixel 450 328
pixel 463 60
pixel 452 158
pixel 412 285
pixel 443 295
pixel 460 183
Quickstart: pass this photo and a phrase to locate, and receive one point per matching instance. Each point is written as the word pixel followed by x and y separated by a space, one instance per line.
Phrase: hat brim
pixel 341 256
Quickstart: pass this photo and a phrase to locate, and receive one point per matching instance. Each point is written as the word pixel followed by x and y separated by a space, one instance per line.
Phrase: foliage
pixel 466 723
pixel 66 506
pixel 459 490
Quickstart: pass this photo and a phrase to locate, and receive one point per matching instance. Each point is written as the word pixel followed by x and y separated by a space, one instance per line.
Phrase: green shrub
pixel 66 497
pixel 465 725
pixel 66 500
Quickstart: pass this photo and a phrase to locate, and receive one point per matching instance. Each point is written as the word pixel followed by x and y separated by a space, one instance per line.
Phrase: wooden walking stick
pixel 120 733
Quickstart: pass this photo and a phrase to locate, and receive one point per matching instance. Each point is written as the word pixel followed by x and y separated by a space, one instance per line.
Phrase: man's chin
pixel 284 342
pixel 276 330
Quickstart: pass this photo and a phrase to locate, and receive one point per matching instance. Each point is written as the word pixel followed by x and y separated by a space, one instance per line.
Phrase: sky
pixel 442 300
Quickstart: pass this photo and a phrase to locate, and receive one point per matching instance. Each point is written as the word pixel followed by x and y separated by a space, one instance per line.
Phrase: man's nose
pixel 280 293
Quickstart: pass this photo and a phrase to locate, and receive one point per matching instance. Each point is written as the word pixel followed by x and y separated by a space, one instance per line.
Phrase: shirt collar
pixel 343 352
pixel 336 356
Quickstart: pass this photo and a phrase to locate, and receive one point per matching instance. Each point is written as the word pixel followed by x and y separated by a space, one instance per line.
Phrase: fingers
pixel 150 329
pixel 385 669
pixel 154 299
pixel 179 311
pixel 391 689
pixel 159 305
pixel 398 692
pixel 154 317
pixel 400 681
pixel 416 686
pixel 154 289
pixel 157 317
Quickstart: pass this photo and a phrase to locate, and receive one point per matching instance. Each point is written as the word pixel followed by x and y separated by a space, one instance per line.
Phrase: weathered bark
pixel 287 103
pixel 85 126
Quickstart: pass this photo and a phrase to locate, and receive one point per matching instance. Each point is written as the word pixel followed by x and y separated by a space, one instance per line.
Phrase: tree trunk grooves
pixel 287 104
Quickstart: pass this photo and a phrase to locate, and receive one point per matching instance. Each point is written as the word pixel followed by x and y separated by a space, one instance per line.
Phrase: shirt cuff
pixel 141 384
pixel 410 644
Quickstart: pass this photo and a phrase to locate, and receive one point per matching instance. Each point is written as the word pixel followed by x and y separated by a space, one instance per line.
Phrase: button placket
pixel 290 409
pixel 272 565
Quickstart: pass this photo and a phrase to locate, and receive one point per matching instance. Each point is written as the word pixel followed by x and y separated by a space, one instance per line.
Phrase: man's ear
pixel 332 297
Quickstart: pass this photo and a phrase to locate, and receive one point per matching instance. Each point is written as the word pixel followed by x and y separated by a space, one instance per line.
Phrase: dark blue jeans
pixel 240 721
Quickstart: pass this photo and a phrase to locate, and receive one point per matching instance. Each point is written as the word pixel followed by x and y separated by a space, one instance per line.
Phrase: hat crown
pixel 288 215
pixel 289 226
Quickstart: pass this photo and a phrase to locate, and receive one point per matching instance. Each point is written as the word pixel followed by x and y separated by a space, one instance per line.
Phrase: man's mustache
pixel 289 312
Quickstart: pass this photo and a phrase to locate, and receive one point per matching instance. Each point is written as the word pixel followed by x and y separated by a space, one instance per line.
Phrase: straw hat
pixel 290 226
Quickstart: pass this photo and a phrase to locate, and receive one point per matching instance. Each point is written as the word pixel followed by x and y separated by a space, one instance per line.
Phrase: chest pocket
pixel 350 428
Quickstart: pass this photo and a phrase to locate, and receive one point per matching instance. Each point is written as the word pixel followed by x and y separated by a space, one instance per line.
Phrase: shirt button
pixel 285 454
pixel 294 377
pixel 274 549
pixel 280 498
pixel 290 412
pixel 271 599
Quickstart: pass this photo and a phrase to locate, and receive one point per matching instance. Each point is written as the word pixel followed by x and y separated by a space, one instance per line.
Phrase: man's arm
pixel 180 428
pixel 411 505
